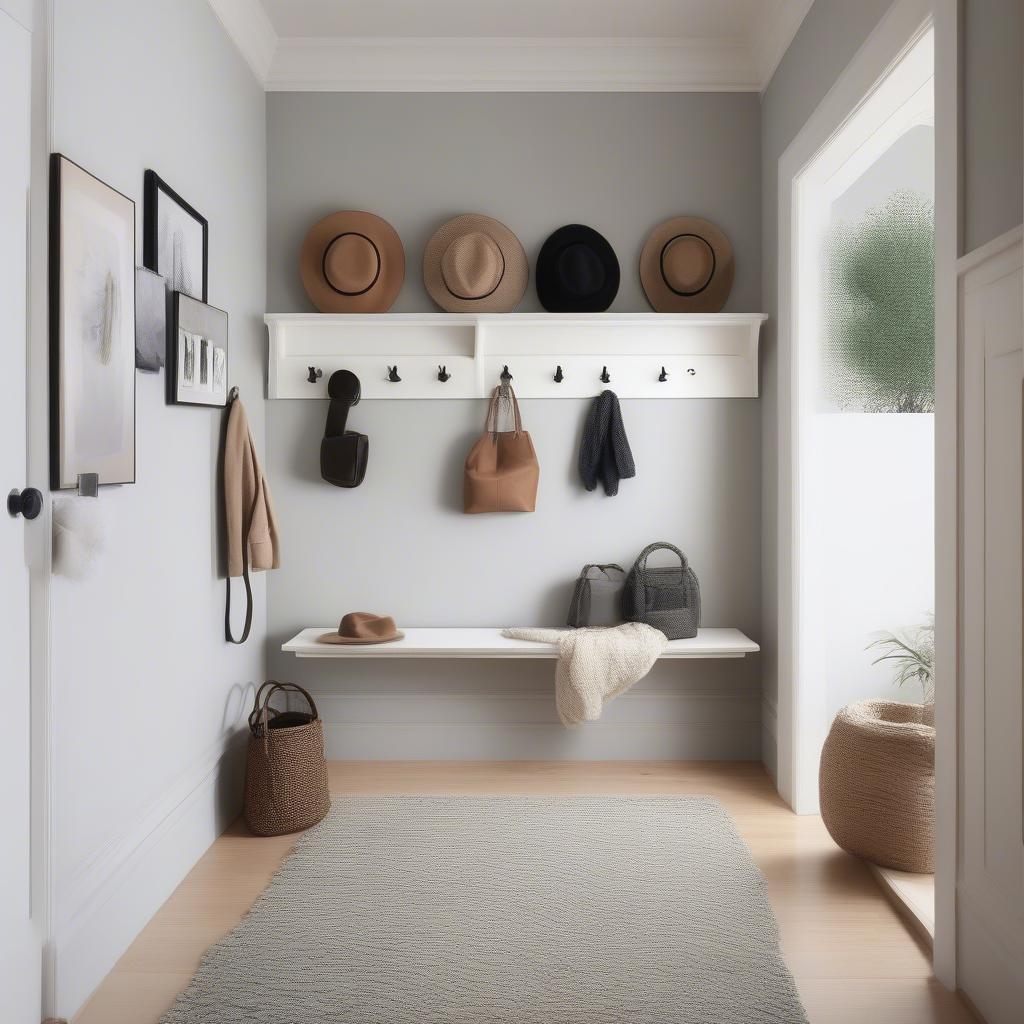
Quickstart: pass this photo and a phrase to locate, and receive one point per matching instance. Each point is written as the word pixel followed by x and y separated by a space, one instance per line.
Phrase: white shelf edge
pixel 487 643
pixel 708 355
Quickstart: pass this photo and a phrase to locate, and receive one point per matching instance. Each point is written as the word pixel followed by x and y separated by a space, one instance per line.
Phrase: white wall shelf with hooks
pixel 704 355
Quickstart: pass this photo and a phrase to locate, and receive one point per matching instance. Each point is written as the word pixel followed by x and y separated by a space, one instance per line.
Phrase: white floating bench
pixel 476 642
pixel 705 355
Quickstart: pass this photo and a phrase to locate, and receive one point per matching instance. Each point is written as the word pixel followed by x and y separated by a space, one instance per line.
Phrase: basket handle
pixel 262 709
pixel 641 561
pixel 603 568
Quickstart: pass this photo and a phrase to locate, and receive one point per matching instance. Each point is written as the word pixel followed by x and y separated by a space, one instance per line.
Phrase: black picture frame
pixel 67 266
pixel 205 329
pixel 156 191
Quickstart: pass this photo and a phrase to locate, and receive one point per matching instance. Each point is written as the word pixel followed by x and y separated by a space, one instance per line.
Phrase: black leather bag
pixel 343 453
pixel 667 598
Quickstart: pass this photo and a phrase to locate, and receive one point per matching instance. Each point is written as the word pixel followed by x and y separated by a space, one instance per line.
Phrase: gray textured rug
pixel 519 910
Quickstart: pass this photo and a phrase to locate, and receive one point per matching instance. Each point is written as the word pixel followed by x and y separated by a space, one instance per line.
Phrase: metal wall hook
pixel 443 374
pixel 691 371
pixel 315 373
pixel 559 376
pixel 505 375
pixel 393 374
pixel 663 376
pixel 605 379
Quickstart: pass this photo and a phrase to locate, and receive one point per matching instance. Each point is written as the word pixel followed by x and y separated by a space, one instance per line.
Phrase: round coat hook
pixel 663 376
pixel 443 374
pixel 559 376
pixel 393 374
pixel 605 379
pixel 691 371
pixel 315 373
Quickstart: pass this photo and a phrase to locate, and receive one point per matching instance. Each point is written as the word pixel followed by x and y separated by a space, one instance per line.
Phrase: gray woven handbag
pixel 666 598
pixel 597 596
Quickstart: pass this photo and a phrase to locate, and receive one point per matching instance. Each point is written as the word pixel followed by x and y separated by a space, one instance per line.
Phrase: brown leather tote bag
pixel 502 471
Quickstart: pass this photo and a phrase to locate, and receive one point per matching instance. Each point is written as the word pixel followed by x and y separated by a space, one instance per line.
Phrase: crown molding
pixel 777 29
pixel 246 22
pixel 512 65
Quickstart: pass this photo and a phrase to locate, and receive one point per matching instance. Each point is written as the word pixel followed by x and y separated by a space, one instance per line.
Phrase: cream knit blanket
pixel 596 665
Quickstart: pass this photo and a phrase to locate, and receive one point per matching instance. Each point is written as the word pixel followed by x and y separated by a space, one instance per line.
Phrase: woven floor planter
pixel 877 784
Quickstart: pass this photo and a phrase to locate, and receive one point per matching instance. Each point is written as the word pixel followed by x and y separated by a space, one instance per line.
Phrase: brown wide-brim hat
pixel 363 628
pixel 687 266
pixel 475 264
pixel 352 262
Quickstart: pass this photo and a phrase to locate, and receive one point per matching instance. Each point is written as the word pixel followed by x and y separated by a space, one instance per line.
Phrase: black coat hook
pixel 605 379
pixel 505 375
pixel 393 374
pixel 691 371
pixel 559 376
pixel 663 376
pixel 443 374
pixel 315 373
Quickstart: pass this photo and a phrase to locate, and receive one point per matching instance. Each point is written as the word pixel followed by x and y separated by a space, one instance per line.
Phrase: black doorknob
pixel 27 503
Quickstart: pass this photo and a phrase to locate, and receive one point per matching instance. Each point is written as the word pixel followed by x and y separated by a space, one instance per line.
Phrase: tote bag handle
pixel 491 422
pixel 641 561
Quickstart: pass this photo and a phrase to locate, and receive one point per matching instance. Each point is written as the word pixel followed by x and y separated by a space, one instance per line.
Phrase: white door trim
pixel 902 24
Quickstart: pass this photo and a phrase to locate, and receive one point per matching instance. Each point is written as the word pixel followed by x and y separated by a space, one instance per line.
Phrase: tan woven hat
pixel 363 628
pixel 687 266
pixel 352 262
pixel 474 264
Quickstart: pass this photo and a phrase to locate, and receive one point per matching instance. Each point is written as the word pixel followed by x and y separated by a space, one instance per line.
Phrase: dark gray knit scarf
pixel 604 451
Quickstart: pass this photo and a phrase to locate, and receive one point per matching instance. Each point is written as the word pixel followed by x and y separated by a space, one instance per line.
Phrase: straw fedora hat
pixel 577 271
pixel 352 262
pixel 687 266
pixel 475 264
pixel 363 628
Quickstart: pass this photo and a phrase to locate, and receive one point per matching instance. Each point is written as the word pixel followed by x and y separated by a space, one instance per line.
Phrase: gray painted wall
pixel 993 169
pixel 993 119
pixel 400 542
pixel 146 693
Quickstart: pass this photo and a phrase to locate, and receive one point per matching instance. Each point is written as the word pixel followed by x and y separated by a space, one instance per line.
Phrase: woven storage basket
pixel 877 784
pixel 285 770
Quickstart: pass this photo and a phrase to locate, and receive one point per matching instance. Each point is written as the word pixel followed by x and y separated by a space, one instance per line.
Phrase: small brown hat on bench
pixel 363 628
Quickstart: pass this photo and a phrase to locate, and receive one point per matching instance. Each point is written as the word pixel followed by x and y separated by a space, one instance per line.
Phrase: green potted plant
pixel 912 655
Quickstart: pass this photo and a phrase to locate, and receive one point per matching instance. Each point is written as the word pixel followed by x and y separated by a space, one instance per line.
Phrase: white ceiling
pixel 663 45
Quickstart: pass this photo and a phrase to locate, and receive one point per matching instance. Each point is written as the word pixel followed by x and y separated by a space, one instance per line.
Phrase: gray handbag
pixel 666 598
pixel 597 596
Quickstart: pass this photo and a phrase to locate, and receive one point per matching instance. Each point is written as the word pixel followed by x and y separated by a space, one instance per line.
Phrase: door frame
pixel 39 547
pixel 898 28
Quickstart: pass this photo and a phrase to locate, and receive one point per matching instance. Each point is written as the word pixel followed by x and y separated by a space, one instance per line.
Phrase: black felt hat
pixel 577 271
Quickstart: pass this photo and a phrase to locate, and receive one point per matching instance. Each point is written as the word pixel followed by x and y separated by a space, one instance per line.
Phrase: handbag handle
pixel 641 561
pixel 261 709
pixel 491 422
pixel 603 568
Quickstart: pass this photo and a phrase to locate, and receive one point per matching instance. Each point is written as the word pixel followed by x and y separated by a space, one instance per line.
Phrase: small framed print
pixel 197 357
pixel 92 328
pixel 175 239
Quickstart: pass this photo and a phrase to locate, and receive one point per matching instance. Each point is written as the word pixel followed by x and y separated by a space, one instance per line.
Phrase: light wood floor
pixel 853 958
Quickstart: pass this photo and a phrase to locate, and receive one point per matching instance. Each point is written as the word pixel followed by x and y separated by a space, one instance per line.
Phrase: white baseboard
pixel 117 890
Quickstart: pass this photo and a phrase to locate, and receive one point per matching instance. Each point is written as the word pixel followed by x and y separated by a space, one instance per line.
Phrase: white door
pixel 19 942
pixel 990 882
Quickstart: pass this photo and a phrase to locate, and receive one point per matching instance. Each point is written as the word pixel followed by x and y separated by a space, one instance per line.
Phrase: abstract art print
pixel 150 320
pixel 197 353
pixel 92 328
pixel 175 239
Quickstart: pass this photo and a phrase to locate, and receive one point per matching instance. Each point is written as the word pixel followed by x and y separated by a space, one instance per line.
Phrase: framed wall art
pixel 175 239
pixel 197 357
pixel 92 328
pixel 150 320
